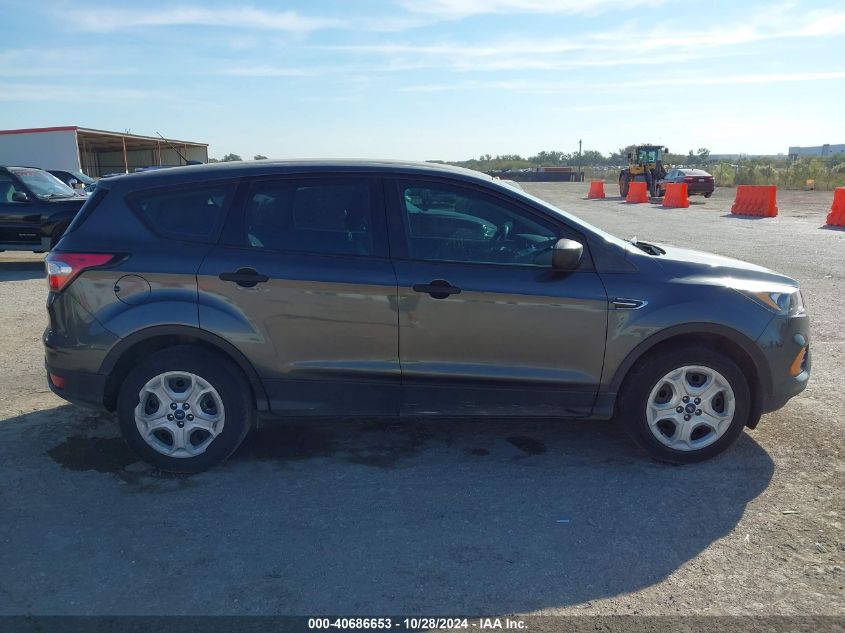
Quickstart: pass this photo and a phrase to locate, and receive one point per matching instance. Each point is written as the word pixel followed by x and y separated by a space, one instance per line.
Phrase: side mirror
pixel 665 150
pixel 630 155
pixel 20 196
pixel 566 255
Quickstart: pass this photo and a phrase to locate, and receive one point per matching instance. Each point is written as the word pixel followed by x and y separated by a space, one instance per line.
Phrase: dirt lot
pixel 422 517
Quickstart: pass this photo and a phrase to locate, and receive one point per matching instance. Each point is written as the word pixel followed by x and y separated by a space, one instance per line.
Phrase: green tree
pixel 259 157
pixel 228 158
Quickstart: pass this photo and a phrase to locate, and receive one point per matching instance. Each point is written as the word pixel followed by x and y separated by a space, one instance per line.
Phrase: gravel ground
pixel 440 517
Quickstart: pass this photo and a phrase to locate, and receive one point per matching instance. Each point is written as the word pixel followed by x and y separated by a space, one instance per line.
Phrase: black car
pixel 35 209
pixel 189 301
pixel 75 179
pixel 698 181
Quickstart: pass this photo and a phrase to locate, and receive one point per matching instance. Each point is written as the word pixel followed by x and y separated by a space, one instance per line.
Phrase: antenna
pixel 173 148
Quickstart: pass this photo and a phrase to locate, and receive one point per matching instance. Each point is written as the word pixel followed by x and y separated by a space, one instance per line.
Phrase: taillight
pixel 689 179
pixel 62 268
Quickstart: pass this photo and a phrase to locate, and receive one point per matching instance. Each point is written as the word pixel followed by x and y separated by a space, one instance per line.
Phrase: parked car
pixel 35 209
pixel 220 292
pixel 698 181
pixel 75 179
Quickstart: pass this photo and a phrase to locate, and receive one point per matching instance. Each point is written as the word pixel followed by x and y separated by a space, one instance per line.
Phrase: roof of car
pixel 690 170
pixel 238 169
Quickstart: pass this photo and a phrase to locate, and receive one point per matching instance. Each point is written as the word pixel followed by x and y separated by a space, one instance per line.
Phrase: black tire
pixel 623 186
pixel 644 376
pixel 708 194
pixel 221 373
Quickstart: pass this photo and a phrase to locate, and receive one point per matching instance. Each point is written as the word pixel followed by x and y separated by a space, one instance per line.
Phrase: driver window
pixel 8 188
pixel 456 224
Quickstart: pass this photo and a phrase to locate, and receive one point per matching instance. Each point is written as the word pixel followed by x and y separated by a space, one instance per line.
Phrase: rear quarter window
pixel 91 203
pixel 189 213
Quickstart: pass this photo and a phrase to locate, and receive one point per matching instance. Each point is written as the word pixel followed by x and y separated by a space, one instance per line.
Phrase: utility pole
pixel 580 172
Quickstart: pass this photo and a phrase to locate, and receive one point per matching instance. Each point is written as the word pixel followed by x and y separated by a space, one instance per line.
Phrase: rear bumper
pixel 79 387
pixel 41 246
pixel 694 188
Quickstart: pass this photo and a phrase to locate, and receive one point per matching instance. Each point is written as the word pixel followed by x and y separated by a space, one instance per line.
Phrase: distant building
pixel 818 150
pixel 95 152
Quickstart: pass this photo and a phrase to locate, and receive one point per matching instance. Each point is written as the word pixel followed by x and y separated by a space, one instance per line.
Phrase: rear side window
pixel 184 213
pixel 322 216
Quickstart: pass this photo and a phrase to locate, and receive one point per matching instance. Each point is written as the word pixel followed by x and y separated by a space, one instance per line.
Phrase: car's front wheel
pixel 185 409
pixel 685 405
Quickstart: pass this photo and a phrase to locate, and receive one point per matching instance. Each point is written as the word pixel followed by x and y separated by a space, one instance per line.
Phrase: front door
pixel 486 326
pixel 20 221
pixel 302 285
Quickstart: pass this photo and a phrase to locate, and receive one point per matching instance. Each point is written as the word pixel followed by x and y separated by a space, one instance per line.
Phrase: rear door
pixel 486 326
pixel 302 284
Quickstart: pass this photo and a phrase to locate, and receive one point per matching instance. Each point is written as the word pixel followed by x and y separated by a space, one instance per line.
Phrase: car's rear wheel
pixel 685 405
pixel 708 194
pixel 185 409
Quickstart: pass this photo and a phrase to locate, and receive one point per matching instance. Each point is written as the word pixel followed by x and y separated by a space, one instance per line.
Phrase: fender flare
pixel 116 353
pixel 736 337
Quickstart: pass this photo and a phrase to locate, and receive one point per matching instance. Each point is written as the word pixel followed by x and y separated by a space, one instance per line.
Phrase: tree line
pixel 820 172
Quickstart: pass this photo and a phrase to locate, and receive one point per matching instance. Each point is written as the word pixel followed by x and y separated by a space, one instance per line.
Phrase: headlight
pixel 788 302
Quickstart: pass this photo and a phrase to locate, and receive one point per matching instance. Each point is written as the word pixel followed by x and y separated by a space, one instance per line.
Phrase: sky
pixel 431 79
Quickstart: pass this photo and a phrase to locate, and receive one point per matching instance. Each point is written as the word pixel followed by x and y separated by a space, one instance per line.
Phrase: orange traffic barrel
pixel 676 195
pixel 596 189
pixel 637 192
pixel 756 200
pixel 836 217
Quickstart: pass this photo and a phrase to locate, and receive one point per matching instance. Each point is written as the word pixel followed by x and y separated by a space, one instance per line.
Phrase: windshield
pixel 42 184
pixel 83 178
pixel 649 156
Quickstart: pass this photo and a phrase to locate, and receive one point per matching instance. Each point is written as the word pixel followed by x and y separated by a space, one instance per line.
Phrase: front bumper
pixel 782 344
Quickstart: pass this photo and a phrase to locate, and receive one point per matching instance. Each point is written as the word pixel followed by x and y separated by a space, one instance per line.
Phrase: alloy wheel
pixel 179 414
pixel 690 408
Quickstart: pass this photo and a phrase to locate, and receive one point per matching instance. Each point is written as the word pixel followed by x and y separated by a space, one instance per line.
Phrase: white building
pixel 94 152
pixel 818 150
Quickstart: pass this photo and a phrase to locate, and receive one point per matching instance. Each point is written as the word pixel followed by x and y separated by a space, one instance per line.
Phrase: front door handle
pixel 438 289
pixel 245 277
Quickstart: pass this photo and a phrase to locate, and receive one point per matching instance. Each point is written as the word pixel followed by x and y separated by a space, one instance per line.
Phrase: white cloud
pixel 553 87
pixel 266 70
pixel 50 92
pixel 457 9
pixel 244 18
pixel 628 45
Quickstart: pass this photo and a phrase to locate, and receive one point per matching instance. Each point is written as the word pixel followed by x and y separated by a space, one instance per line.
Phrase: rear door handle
pixel 245 277
pixel 438 288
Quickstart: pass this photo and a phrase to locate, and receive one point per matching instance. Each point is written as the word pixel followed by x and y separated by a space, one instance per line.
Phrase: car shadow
pixel 357 517
pixel 21 270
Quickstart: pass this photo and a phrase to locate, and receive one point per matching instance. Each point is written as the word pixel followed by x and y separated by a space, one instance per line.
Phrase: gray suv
pixel 191 300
